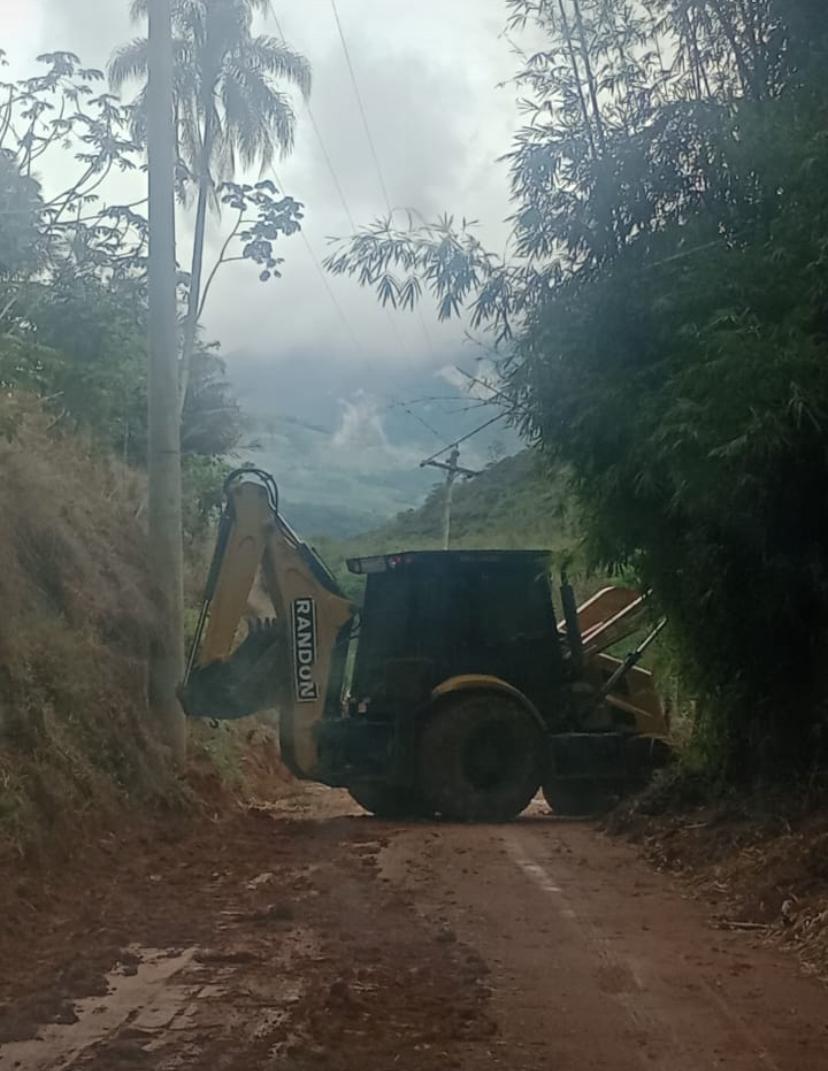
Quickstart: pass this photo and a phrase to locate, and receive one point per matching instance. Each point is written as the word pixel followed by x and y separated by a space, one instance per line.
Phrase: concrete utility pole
pixel 452 470
pixel 164 461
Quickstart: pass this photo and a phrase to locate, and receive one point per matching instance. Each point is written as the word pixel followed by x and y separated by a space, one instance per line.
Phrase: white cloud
pixel 482 385
pixel 361 441
pixel 360 425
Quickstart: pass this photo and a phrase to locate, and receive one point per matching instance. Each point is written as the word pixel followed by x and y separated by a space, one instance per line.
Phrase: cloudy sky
pixel 429 72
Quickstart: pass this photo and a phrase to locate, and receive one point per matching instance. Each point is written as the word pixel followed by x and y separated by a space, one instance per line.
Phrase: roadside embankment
pixel 77 752
pixel 760 859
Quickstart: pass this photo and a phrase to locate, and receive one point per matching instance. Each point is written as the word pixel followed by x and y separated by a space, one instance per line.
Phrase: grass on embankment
pixel 76 624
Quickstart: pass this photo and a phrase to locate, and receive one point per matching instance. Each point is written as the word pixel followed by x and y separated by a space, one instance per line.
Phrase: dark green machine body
pixel 430 617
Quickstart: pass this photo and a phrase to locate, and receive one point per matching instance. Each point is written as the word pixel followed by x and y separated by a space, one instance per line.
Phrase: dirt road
pixel 314 937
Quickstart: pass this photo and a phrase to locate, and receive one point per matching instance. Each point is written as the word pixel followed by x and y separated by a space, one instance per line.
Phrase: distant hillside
pixel 337 522
pixel 513 504
pixel 346 456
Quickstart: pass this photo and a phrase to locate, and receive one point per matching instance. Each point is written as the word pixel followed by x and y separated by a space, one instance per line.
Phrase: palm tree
pixel 228 103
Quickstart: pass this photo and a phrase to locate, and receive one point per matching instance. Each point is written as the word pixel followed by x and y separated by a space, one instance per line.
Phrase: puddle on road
pixel 142 997
pixel 150 1002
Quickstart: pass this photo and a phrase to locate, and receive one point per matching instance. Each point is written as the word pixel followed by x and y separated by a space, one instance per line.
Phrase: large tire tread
pixel 460 785
pixel 388 801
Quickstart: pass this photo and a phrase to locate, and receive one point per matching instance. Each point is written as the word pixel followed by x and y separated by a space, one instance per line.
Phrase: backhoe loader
pixel 453 691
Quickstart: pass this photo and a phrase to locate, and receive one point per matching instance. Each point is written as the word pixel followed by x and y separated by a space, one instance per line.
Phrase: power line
pixel 464 438
pixel 323 147
pixel 362 110
pixel 331 169
pixel 372 145
pixel 380 176
pixel 335 178
pixel 498 395
pixel 402 405
pixel 325 282
pixel 329 290
pixel 404 350
pixel 324 278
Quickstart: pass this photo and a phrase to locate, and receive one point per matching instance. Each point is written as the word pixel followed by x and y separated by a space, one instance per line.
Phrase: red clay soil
pixel 761 865
pixel 306 936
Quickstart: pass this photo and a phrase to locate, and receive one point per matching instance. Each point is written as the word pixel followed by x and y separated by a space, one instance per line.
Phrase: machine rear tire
pixel 480 758
pixel 388 801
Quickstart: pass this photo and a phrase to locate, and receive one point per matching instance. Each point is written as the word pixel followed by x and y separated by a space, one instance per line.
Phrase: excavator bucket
pixel 254 678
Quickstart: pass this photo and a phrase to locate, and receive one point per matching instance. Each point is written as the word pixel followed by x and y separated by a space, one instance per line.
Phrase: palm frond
pixel 246 133
pixel 128 63
pixel 189 132
pixel 277 59
pixel 139 9
pixel 263 109
pixel 225 160
pixel 221 65
pixel 138 121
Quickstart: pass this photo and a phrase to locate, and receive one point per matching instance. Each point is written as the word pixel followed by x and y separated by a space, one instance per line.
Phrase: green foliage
pixel 699 439
pixel 668 306
pixel 95 377
pixel 263 216
pixel 57 114
pixel 203 480
pixel 211 421
pixel 72 271
pixel 72 304
pixel 20 206
pixel 698 435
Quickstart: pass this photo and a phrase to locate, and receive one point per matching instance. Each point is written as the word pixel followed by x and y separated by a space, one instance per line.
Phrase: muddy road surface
pixel 310 936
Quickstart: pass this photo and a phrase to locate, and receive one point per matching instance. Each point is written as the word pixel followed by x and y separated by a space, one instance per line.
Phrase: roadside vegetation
pixel 77 624
pixel 663 334
pixel 78 749
pixel 80 601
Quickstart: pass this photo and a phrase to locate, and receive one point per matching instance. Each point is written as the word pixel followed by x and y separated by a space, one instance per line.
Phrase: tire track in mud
pixel 623 978
pixel 597 962
pixel 308 937
pixel 281 948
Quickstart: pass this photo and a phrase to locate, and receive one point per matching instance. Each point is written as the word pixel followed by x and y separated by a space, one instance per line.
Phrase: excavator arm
pixel 294 661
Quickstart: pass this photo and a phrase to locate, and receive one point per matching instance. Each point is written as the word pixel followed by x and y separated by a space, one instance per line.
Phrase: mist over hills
pixel 346 452
pixel 514 504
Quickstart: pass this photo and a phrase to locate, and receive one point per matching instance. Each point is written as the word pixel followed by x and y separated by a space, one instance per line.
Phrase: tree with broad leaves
pixel 229 107
pixel 262 215
pixel 73 286
pixel 73 253
pixel 60 112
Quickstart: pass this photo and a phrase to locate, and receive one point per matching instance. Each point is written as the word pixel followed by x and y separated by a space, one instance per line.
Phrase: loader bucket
pixel 254 678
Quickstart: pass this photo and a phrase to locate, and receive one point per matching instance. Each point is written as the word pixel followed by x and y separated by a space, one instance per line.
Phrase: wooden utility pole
pixel 451 477
pixel 164 461
pixel 452 470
